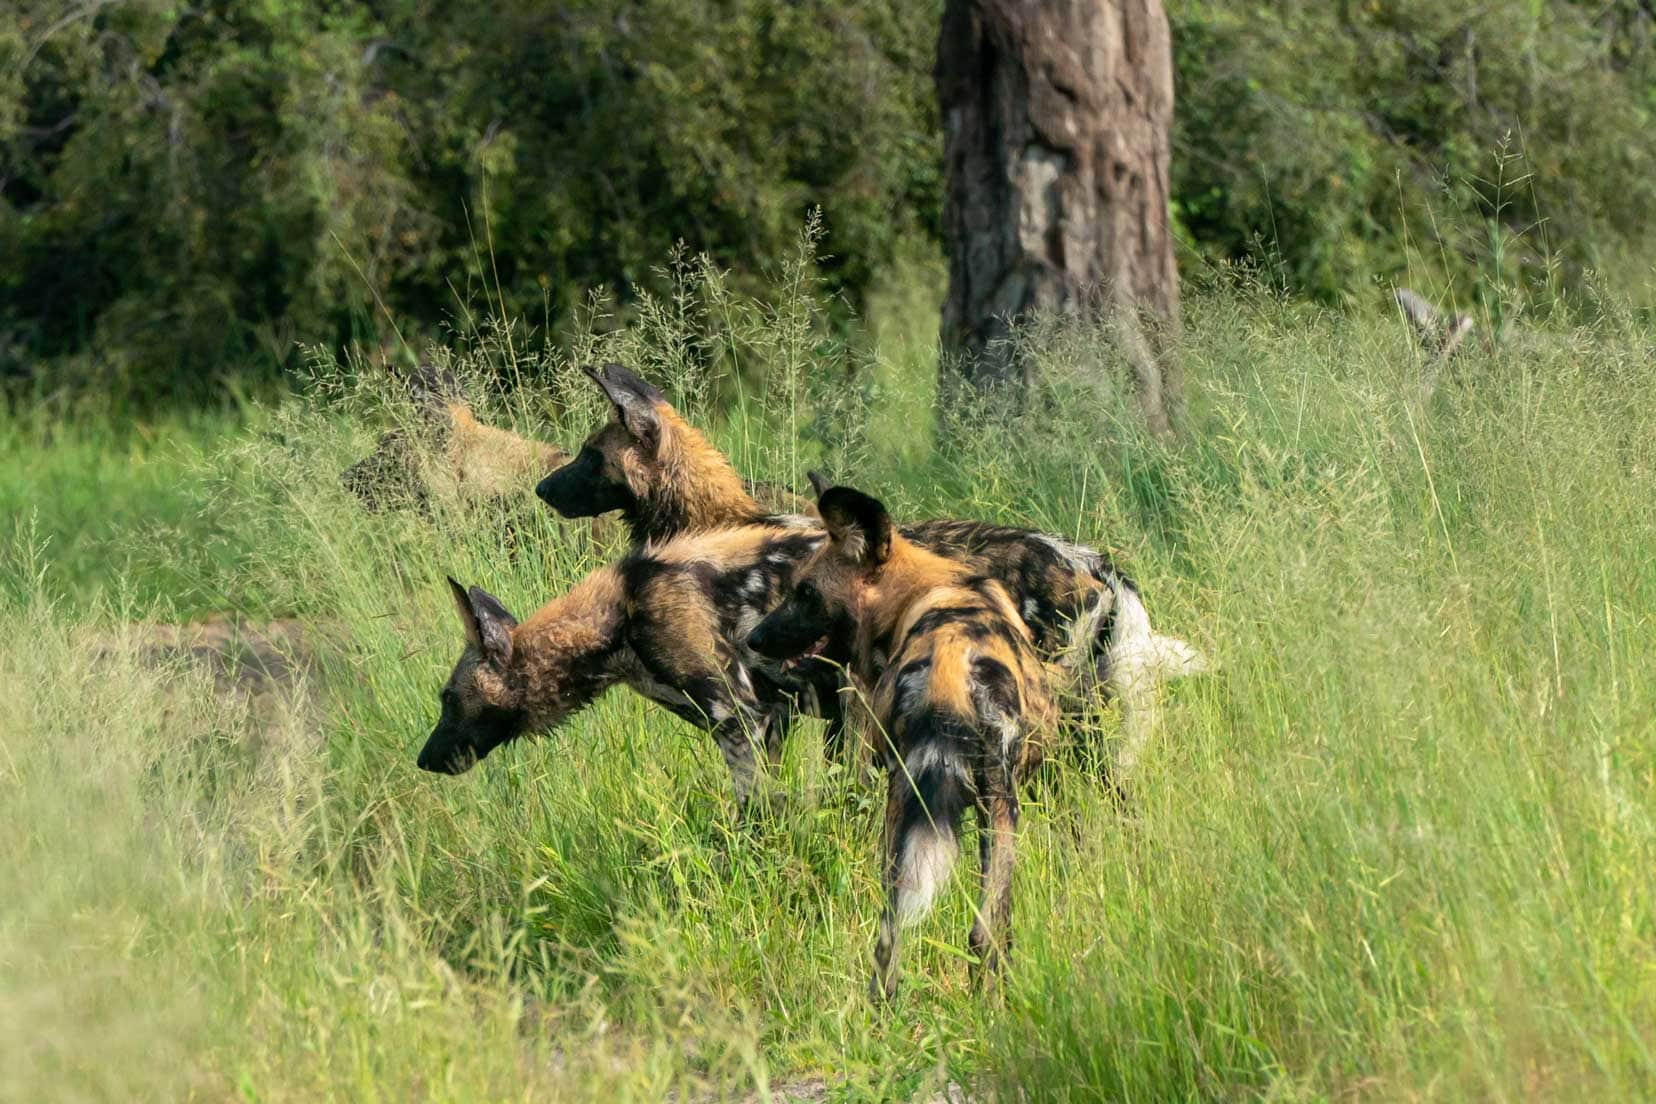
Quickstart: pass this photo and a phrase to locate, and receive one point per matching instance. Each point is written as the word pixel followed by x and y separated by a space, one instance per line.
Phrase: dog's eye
pixel 808 592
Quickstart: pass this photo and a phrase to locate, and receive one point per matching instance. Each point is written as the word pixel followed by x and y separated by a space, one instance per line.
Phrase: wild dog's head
pixel 819 614
pixel 483 705
pixel 618 466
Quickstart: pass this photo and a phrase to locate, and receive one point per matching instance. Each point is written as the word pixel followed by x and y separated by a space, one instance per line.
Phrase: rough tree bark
pixel 1056 116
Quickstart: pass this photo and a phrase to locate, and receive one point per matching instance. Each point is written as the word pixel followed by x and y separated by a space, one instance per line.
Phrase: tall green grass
pixel 125 512
pixel 1398 846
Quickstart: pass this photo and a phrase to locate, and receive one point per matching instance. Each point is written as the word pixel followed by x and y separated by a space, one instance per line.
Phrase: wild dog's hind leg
pixel 883 985
pixel 991 938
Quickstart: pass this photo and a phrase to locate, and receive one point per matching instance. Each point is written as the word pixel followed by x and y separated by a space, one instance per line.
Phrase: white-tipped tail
pixel 1172 658
pixel 1140 660
pixel 928 859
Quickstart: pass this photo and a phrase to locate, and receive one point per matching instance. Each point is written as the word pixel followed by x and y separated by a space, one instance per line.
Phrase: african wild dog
pixel 446 453
pixel 959 693
pixel 666 478
pixel 656 469
pixel 661 620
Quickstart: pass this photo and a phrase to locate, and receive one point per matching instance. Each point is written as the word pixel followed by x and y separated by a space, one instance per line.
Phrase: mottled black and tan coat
pixel 669 620
pixel 666 479
pixel 958 692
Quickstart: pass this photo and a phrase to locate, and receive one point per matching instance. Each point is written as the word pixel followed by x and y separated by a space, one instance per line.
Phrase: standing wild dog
pixel 661 620
pixel 958 690
pixel 666 478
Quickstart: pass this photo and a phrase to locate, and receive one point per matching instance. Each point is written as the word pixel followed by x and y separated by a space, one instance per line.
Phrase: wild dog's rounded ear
pixel 634 400
pixel 819 483
pixel 488 623
pixel 858 524
pixel 494 624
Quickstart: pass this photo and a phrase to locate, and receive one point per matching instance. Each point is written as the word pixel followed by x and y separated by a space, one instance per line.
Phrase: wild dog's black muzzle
pixel 442 756
pixel 579 488
pixel 780 638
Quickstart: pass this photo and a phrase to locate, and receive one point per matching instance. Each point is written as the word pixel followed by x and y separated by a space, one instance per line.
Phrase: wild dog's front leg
pixel 736 739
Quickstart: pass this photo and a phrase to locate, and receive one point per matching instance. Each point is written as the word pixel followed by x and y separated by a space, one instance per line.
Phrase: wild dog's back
pixel 961 651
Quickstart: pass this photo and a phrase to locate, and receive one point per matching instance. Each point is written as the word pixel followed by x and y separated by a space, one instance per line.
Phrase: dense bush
pixel 1505 144
pixel 187 189
pixel 190 190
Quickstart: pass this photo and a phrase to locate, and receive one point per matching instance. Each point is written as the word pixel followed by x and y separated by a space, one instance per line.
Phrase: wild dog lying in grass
pixel 666 478
pixel 661 620
pixel 447 452
pixel 958 691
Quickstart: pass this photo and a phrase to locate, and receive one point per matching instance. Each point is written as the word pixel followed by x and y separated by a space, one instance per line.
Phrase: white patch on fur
pixel 1010 734
pixel 1140 660
pixel 745 622
pixel 929 756
pixel 1030 609
pixel 1078 646
pixel 928 859
pixel 795 521
pixel 1078 556
pixel 853 543
pixel 911 688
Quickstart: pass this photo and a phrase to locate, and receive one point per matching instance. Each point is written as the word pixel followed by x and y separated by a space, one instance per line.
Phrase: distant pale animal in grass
pixel 1440 335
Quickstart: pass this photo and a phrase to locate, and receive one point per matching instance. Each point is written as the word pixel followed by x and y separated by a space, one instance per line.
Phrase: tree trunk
pixel 1055 117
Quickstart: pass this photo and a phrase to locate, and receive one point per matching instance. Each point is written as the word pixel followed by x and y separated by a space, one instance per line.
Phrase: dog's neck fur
pixel 568 651
pixel 694 489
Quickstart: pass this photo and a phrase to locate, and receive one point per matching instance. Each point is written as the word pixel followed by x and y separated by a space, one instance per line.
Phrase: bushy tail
pixel 1137 659
pixel 930 791
pixel 1132 641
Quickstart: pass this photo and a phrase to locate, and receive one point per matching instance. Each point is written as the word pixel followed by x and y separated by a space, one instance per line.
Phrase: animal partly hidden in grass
pixel 959 694
pixel 666 479
pixel 672 618
pixel 445 453
pixel 689 599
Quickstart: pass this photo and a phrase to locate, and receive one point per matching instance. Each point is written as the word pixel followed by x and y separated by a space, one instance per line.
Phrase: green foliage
pixel 134 516
pixel 1345 144
pixel 188 190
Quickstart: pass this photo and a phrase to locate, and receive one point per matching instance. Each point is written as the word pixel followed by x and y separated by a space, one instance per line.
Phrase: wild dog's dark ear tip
pixel 486 603
pixel 820 483
pixel 619 375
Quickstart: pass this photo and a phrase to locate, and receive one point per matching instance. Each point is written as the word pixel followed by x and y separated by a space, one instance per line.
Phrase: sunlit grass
pixel 1399 846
